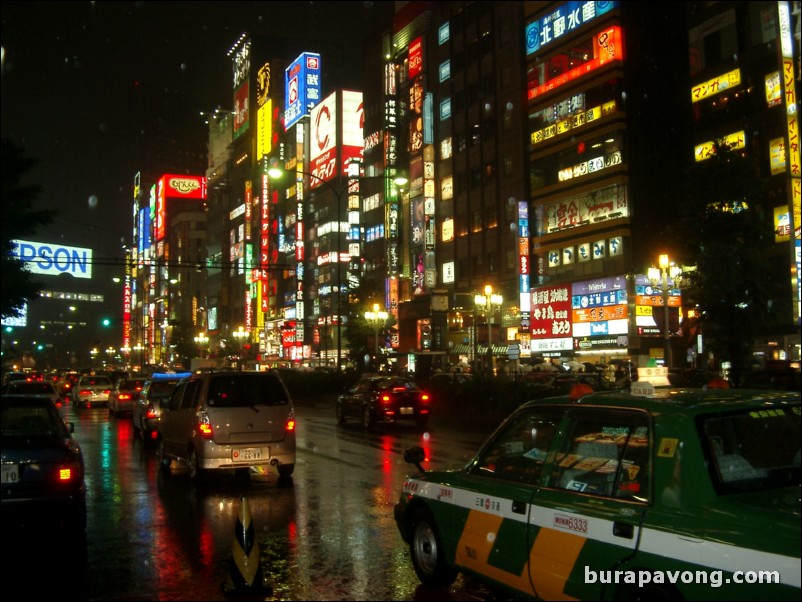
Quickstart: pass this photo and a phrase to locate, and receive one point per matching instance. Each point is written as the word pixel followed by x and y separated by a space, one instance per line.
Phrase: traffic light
pixel 106 322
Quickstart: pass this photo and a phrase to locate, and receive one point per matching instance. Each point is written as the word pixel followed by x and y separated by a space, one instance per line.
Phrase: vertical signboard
pixel 301 87
pixel 323 143
pixel 241 66
pixel 599 314
pixel 551 319
pixel 790 102
pixel 353 121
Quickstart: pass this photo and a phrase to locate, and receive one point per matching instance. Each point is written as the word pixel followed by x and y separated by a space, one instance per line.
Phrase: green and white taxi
pixel 680 494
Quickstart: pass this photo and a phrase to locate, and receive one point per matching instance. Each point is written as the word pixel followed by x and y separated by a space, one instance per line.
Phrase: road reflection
pixel 327 533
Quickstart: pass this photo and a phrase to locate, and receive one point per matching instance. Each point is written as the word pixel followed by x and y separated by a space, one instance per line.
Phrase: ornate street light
pixel 659 278
pixel 240 335
pixel 488 301
pixel 201 341
pixel 376 318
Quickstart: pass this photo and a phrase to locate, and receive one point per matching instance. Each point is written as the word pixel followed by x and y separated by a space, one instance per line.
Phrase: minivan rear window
pixel 246 390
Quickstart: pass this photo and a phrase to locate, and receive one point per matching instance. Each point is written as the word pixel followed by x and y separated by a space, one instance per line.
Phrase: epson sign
pixel 52 259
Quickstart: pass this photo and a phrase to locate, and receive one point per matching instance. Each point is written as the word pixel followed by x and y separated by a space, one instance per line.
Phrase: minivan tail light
pixel 290 426
pixel 205 426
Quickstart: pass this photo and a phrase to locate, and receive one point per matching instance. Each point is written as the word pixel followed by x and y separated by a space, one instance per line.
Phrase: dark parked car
pixel 42 466
pixel 384 399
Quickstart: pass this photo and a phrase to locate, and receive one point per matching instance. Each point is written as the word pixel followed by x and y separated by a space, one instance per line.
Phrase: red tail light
pixel 151 413
pixel 425 398
pixel 205 429
pixel 386 398
pixel 290 426
pixel 124 396
pixel 85 392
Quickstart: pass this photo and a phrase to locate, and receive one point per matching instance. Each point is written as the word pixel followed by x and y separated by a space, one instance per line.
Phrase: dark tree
pixel 19 221
pixel 727 237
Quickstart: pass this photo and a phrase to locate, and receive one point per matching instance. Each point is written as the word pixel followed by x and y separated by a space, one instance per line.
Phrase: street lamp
pixel 201 341
pixel 376 317
pixel 659 278
pixel 240 335
pixel 275 172
pixel 489 300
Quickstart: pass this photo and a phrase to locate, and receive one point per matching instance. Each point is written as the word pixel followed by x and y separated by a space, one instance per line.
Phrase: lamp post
pixel 276 172
pixel 489 300
pixel 201 341
pixel 240 335
pixel 376 317
pixel 659 277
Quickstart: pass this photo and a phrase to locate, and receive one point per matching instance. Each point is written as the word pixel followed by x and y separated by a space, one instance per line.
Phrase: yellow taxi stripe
pixel 475 545
pixel 551 560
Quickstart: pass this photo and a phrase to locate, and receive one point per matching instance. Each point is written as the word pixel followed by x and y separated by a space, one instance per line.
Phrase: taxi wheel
pixel 427 552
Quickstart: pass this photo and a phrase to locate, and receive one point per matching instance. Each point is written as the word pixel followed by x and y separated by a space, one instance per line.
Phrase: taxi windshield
pixel 753 450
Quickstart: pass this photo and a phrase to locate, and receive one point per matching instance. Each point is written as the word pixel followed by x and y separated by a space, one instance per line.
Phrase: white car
pixel 92 391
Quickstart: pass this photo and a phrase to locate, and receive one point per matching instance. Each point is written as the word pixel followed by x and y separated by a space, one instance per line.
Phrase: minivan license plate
pixel 247 454
pixel 407 410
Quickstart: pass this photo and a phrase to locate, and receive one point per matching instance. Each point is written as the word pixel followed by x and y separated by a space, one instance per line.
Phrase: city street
pixel 325 534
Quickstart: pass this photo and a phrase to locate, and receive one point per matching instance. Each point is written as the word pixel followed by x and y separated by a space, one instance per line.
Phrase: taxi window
pixel 753 449
pixel 519 451
pixel 605 453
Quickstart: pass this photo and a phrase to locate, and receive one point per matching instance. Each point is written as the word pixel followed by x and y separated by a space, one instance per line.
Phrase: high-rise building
pixel 745 69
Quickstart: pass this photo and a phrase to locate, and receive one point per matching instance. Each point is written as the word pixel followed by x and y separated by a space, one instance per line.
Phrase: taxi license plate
pixel 407 410
pixel 247 454
pixel 10 473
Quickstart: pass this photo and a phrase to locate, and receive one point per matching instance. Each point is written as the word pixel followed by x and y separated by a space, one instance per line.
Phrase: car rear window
pixel 24 421
pixel 753 449
pixel 246 390
pixel 102 381
pixel 26 388
pixel 162 388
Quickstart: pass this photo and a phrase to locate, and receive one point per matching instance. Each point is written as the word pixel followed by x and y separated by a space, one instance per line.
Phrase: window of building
pixel 508 165
pixel 445 71
pixel 445 109
pixel 476 225
pixel 443 33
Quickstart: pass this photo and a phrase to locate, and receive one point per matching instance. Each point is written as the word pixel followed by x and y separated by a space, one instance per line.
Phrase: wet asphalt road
pixel 327 533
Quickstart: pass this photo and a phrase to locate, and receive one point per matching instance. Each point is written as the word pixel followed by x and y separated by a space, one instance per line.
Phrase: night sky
pixel 69 69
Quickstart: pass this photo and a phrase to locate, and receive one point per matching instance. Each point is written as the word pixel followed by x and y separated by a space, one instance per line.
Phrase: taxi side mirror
pixel 415 455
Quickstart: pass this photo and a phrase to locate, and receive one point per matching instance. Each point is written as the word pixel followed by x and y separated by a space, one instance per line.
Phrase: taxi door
pixel 496 494
pixel 586 517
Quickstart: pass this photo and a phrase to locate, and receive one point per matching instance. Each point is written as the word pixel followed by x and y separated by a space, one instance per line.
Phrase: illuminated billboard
pixel 301 87
pixel 323 145
pixel 175 187
pixel 336 122
pixel 562 21
pixel 353 120
pixel 52 259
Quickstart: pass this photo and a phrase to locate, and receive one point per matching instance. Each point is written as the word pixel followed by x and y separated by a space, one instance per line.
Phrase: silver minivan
pixel 229 421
